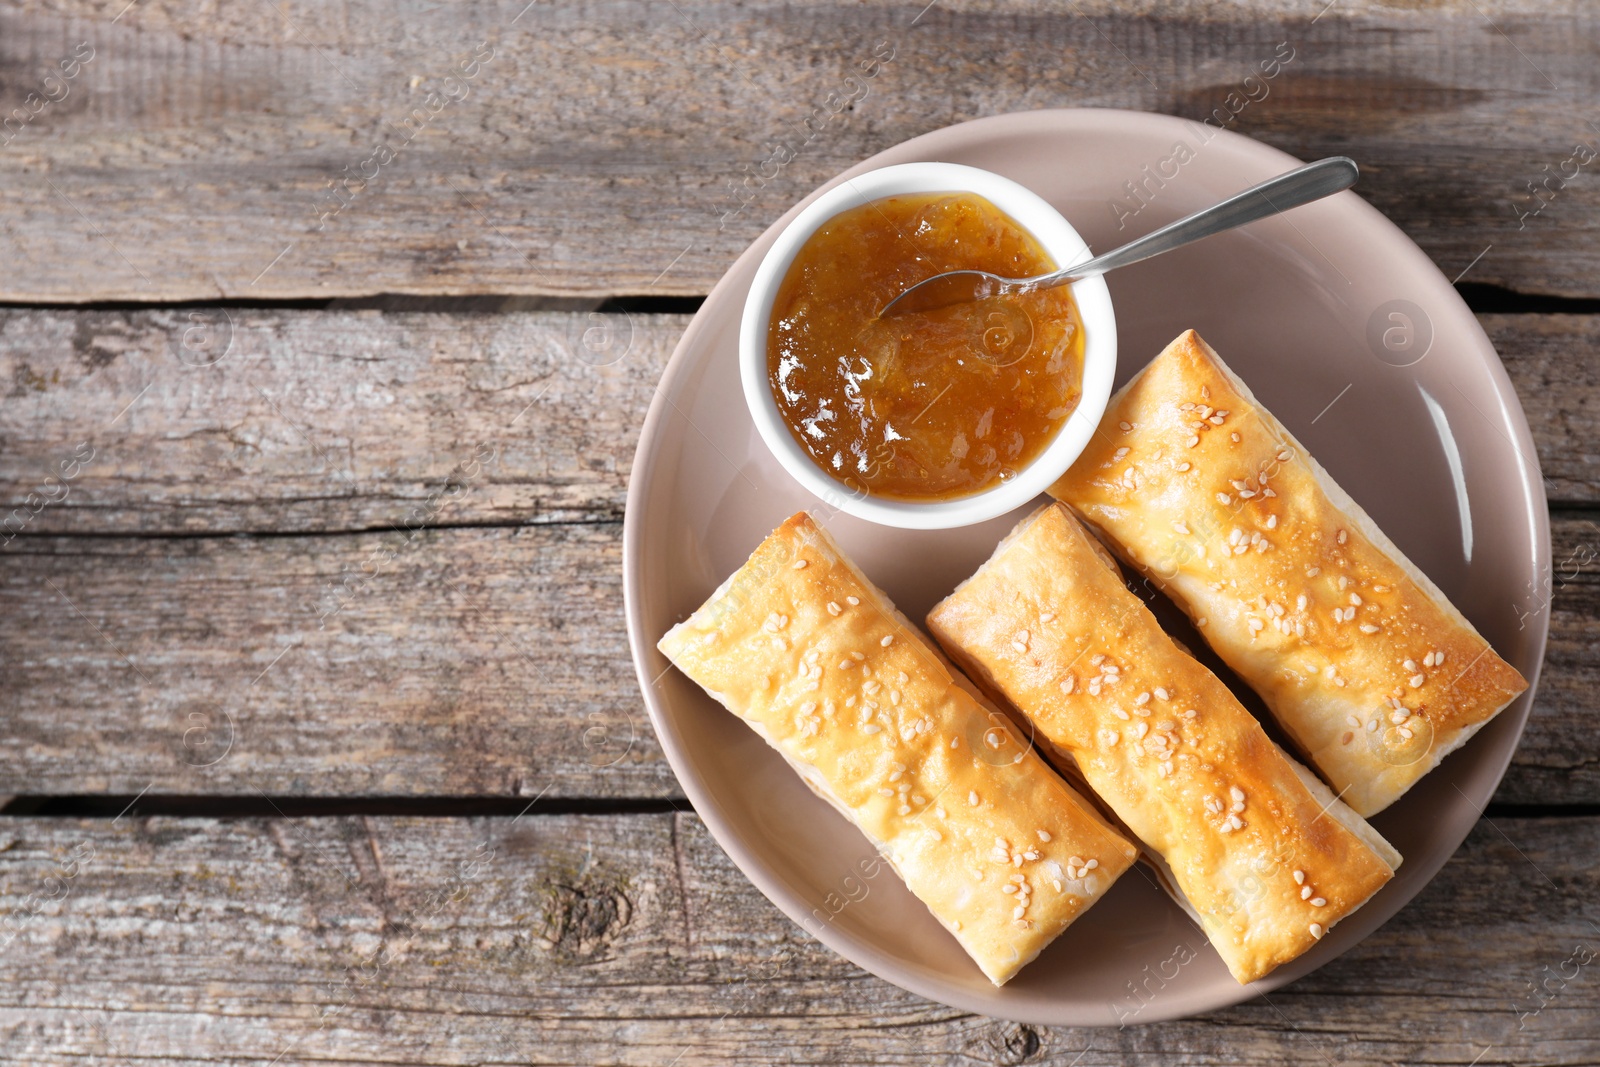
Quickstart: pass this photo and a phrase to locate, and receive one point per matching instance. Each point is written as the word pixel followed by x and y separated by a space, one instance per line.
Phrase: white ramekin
pixel 1053 233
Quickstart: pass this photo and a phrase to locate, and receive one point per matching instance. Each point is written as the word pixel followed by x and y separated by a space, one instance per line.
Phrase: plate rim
pixel 861 953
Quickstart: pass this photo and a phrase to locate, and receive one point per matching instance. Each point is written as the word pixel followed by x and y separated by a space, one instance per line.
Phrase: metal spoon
pixel 1299 186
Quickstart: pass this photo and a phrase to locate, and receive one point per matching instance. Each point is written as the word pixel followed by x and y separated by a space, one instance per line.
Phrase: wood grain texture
pixel 305 151
pixel 472 662
pixel 634 940
pixel 325 421
pixel 225 420
pixel 435 662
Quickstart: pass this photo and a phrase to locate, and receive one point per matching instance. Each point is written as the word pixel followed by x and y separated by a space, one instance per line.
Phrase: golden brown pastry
pixel 816 659
pixel 1371 670
pixel 1265 857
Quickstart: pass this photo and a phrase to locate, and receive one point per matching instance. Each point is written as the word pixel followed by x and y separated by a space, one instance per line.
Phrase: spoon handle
pixel 1299 186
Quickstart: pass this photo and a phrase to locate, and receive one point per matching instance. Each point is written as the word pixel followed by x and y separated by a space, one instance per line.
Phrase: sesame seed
pixel 1319 902
pixel 1246 494
pixel 1405 733
pixel 888 639
pixel 1224 498
pixel 1194 439
pixel 1017 912
pixel 1142 699
pixel 1044 835
pixel 1341 537
pixel 1305 892
pixel 1183 468
pixel 799 564
pixel 1398 717
pixel 955 742
pixel 858 656
pixel 1215 420
pixel 1255 625
pixel 1235 437
pixel 1355 599
pixel 1312 572
pixel 1416 681
pixel 1091 865
pixel 1438 659
pixel 834 609
pixel 871 728
pixel 1119 713
pixel 1272 522
pixel 1316 931
pixel 1369 628
pixel 1069 684
pixel 1299 877
pixel 1181 527
pixel 1110 737
pixel 1119 453
pixel 1372 725
pixel 1427 661
pixel 1124 426
pixel 852 601
pixel 1031 854
pixel 1008 888
pixel 972 796
pixel 1201 621
pixel 1046 616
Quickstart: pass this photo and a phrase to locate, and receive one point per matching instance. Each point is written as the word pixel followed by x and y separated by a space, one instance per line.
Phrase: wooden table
pixel 317 706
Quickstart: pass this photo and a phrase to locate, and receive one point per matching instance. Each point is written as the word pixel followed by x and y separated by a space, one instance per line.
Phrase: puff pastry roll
pixel 1265 857
pixel 816 659
pixel 1369 668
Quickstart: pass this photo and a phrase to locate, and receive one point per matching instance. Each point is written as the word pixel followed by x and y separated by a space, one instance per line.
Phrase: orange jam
pixel 926 405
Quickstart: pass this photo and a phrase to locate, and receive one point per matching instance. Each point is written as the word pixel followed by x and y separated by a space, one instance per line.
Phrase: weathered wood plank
pixel 484 662
pixel 479 661
pixel 352 420
pixel 263 151
pixel 238 420
pixel 633 940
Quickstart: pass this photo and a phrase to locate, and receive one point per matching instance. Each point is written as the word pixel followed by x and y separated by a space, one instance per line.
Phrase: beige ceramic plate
pixel 1338 323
